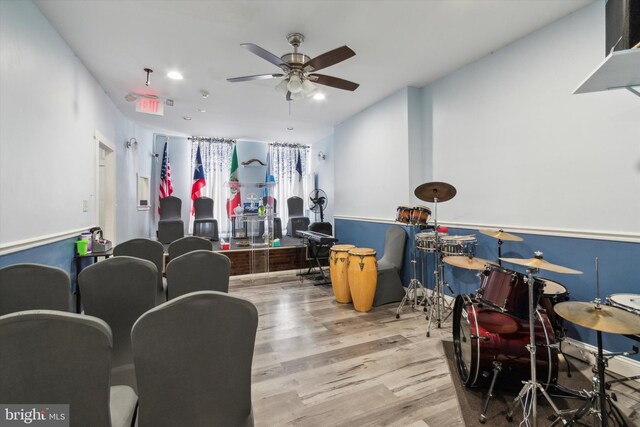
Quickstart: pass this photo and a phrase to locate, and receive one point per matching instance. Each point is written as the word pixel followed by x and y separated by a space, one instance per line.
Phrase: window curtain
pixel 216 159
pixel 283 159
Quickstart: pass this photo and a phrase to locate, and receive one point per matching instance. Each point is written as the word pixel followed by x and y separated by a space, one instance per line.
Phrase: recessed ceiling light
pixel 174 75
pixel 201 110
pixel 204 93
pixel 187 118
pixel 289 128
pixel 319 96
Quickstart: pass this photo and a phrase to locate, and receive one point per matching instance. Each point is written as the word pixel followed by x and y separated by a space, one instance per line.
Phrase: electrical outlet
pixel 85 206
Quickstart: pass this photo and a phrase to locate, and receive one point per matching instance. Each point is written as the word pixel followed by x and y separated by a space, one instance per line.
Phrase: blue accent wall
pixel 59 254
pixel 618 264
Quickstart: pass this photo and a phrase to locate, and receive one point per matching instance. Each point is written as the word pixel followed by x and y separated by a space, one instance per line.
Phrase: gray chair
pixel 188 244
pixel 170 225
pixel 297 220
pixel 151 251
pixel 204 224
pixel 202 270
pixel 193 358
pixel 389 288
pixel 50 357
pixel 118 290
pixel 33 286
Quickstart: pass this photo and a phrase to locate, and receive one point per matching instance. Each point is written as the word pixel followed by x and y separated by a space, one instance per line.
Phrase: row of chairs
pixel 171 226
pixel 192 358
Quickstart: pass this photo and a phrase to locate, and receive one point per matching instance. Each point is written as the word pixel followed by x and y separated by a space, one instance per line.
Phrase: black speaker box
pixel 622 19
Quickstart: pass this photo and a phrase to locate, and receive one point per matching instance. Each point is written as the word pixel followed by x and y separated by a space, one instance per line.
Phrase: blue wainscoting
pixel 59 254
pixel 618 264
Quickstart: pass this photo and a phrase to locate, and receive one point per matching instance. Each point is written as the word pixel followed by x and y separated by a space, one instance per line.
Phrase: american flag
pixel 165 178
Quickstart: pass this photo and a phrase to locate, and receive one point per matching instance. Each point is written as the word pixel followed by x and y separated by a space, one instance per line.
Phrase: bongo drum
pixel 362 273
pixel 403 214
pixel 338 256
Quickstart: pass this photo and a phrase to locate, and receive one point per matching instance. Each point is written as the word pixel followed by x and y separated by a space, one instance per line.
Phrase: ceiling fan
pixel 299 69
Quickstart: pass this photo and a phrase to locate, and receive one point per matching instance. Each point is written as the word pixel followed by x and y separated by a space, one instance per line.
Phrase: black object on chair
pixel 151 251
pixel 170 225
pixel 389 288
pixel 297 220
pixel 276 229
pixel 202 270
pixel 193 359
pixel 33 286
pixel 49 356
pixel 204 224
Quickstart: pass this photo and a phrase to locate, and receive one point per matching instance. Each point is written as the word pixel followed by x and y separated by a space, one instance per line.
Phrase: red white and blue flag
pixel 165 178
pixel 198 179
pixel 297 178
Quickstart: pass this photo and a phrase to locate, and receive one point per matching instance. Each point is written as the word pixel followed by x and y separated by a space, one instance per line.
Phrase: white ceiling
pixel 397 44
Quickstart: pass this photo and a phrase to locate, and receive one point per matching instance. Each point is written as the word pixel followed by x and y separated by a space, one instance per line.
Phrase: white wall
pixel 325 170
pixel 371 160
pixel 523 151
pixel 50 109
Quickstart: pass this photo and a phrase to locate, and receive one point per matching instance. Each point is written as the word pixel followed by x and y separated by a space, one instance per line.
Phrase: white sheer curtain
pixel 216 159
pixel 283 167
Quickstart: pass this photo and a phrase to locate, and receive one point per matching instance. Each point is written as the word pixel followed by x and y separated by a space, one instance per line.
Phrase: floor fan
pixel 319 202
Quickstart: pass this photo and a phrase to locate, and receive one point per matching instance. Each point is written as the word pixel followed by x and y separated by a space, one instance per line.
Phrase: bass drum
pixel 483 335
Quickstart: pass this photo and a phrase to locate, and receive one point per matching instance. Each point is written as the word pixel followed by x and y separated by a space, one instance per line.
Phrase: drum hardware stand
pixel 497 368
pixel 500 242
pixel 532 386
pixel 414 284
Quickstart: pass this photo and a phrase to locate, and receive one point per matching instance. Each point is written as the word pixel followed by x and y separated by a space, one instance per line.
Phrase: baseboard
pixel 619 365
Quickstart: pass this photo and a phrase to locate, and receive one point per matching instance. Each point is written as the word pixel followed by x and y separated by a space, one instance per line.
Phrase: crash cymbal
pixel 603 318
pixel 541 264
pixel 501 235
pixel 431 191
pixel 468 263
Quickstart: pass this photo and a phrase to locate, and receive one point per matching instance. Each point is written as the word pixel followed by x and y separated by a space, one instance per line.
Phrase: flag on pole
pixel 165 177
pixel 198 179
pixel 297 179
pixel 235 199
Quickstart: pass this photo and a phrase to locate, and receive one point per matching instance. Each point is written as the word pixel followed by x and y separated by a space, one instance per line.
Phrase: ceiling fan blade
pixel 265 54
pixel 256 77
pixel 333 82
pixel 328 59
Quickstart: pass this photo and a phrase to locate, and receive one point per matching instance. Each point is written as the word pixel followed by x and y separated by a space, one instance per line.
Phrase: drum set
pixel 513 320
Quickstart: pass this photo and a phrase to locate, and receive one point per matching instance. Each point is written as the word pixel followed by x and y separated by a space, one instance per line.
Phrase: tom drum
pixel 427 241
pixel 420 215
pixel 459 245
pixel 507 290
pixel 403 214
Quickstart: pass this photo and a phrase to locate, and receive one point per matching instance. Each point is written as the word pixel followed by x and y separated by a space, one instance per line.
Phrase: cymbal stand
pixel 436 308
pixel 414 284
pixel 500 242
pixel 528 396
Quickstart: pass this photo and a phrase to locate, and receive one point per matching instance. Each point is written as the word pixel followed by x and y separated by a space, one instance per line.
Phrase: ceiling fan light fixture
pixel 295 84
pixel 297 96
pixel 281 87
pixel 308 87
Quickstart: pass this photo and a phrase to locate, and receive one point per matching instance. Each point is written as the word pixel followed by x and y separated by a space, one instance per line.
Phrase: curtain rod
pixel 288 144
pixel 210 139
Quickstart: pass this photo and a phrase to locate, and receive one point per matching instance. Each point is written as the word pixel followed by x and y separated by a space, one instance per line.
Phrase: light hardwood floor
pixel 321 363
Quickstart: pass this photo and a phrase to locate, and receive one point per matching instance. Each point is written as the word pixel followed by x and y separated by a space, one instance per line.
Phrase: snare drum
pixel 420 215
pixel 626 302
pixel 427 241
pixel 403 214
pixel 507 290
pixel 459 245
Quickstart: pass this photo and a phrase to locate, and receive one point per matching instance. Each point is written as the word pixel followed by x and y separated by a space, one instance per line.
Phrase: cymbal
pixel 466 262
pixel 431 191
pixel 541 264
pixel 501 235
pixel 604 319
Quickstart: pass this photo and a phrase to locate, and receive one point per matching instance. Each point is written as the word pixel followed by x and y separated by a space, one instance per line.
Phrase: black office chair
pixel 297 220
pixel 204 224
pixel 170 225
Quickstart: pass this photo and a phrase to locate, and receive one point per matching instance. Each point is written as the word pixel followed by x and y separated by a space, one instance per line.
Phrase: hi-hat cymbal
pixel 604 318
pixel 431 191
pixel 468 263
pixel 501 235
pixel 541 264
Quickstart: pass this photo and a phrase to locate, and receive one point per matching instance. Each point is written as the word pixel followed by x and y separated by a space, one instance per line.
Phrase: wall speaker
pixel 622 18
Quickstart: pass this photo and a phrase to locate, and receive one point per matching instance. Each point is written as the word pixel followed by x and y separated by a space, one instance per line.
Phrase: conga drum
pixel 362 273
pixel 338 256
